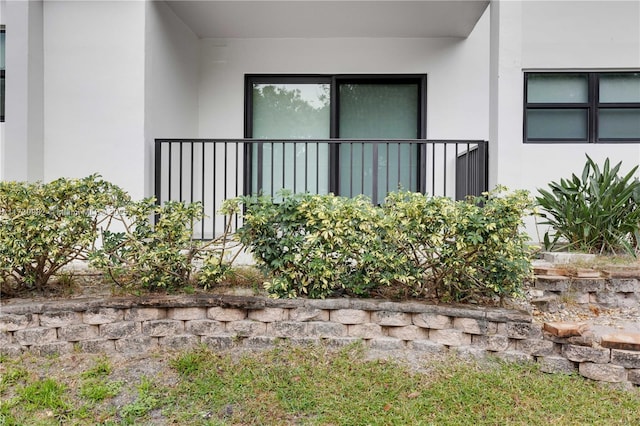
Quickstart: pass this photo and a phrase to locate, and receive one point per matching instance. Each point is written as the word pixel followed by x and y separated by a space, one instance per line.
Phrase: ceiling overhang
pixel 328 18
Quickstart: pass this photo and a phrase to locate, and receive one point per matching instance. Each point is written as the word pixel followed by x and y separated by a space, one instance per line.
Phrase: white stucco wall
pixel 457 72
pixel 94 91
pixel 22 146
pixel 171 81
pixel 553 35
pixel 560 35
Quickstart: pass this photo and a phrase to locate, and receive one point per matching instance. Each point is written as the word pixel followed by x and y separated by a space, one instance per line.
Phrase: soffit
pixel 326 18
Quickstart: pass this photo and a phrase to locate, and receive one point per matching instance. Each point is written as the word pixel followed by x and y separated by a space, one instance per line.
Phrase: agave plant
pixel 597 212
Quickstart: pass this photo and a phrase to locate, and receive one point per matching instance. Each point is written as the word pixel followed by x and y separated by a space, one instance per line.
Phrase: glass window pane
pixel 557 88
pixel 379 111
pixel 619 88
pixel 557 124
pixel 291 111
pixel 617 123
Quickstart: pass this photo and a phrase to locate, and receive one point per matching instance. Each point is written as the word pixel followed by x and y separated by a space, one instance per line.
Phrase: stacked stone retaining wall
pixel 223 322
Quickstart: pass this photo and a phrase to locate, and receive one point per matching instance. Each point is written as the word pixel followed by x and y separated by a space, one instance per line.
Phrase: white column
pixel 505 94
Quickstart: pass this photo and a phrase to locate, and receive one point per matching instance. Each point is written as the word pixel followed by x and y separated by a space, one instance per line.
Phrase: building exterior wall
pixel 171 81
pixel 94 91
pixel 561 36
pixel 457 71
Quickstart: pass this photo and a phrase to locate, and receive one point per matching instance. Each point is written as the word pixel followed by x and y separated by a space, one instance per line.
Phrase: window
pixel 360 109
pixel 589 107
pixel 2 44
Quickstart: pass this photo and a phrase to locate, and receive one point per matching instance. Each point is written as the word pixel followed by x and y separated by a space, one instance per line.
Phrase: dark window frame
pixel 334 80
pixel 2 79
pixel 593 106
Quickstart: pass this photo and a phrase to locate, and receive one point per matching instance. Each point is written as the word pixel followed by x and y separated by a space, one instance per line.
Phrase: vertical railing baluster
pixel 202 195
pixel 215 171
pixel 180 172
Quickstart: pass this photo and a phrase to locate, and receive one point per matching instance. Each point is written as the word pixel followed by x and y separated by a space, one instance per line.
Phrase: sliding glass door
pixel 371 113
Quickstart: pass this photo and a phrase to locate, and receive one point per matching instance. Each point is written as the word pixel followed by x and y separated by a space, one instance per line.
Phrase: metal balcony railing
pixel 212 170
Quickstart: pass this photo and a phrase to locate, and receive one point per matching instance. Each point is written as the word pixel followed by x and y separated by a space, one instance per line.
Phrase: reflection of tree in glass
pixel 283 112
pixel 378 111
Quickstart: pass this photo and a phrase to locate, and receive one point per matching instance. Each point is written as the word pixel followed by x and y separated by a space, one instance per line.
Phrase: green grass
pixel 308 386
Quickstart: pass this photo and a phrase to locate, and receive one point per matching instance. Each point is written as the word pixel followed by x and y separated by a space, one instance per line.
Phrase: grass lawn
pixel 293 385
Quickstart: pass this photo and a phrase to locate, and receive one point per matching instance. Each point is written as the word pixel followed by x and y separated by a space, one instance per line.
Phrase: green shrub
pixel 596 212
pixel 162 255
pixel 465 249
pixel 317 245
pixel 45 226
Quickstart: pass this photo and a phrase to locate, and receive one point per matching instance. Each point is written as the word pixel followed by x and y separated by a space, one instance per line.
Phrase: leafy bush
pixel 163 255
pixel 45 226
pixel 464 249
pixel 596 213
pixel 317 245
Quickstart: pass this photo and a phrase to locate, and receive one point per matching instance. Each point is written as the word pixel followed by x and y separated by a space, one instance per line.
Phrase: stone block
pixel 536 347
pixel 97 316
pixel 11 350
pixel 408 332
pixel 586 354
pixel 556 364
pixel 606 299
pixel 515 357
pixel 634 376
pixel 13 322
pixel 426 346
pixel 219 342
pixel 628 359
pixel 269 314
pixel 160 328
pixel 603 372
pixel 145 314
pixel 6 338
pixel 119 330
pixel 260 342
pixel 625 341
pixel 136 344
pixel 179 341
pixel 365 331
pixel 53 348
pixel 226 314
pixel 340 342
pixel 627 300
pixel 475 326
pixel 560 284
pixel 387 344
pixel 77 332
pixel 450 337
pixel 326 329
pixel 187 314
pixel 60 319
pixel 246 328
pixel 468 352
pixel 96 346
pixel 587 285
pixel 622 285
pixel 331 304
pixel 287 329
pixel 520 330
pixel 35 336
pixel 435 321
pixel 564 329
pixel 390 318
pixel 494 343
pixel 350 316
pixel 204 327
pixel 306 313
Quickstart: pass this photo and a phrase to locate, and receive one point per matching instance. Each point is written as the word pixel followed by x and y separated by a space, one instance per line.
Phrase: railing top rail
pixel 330 141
